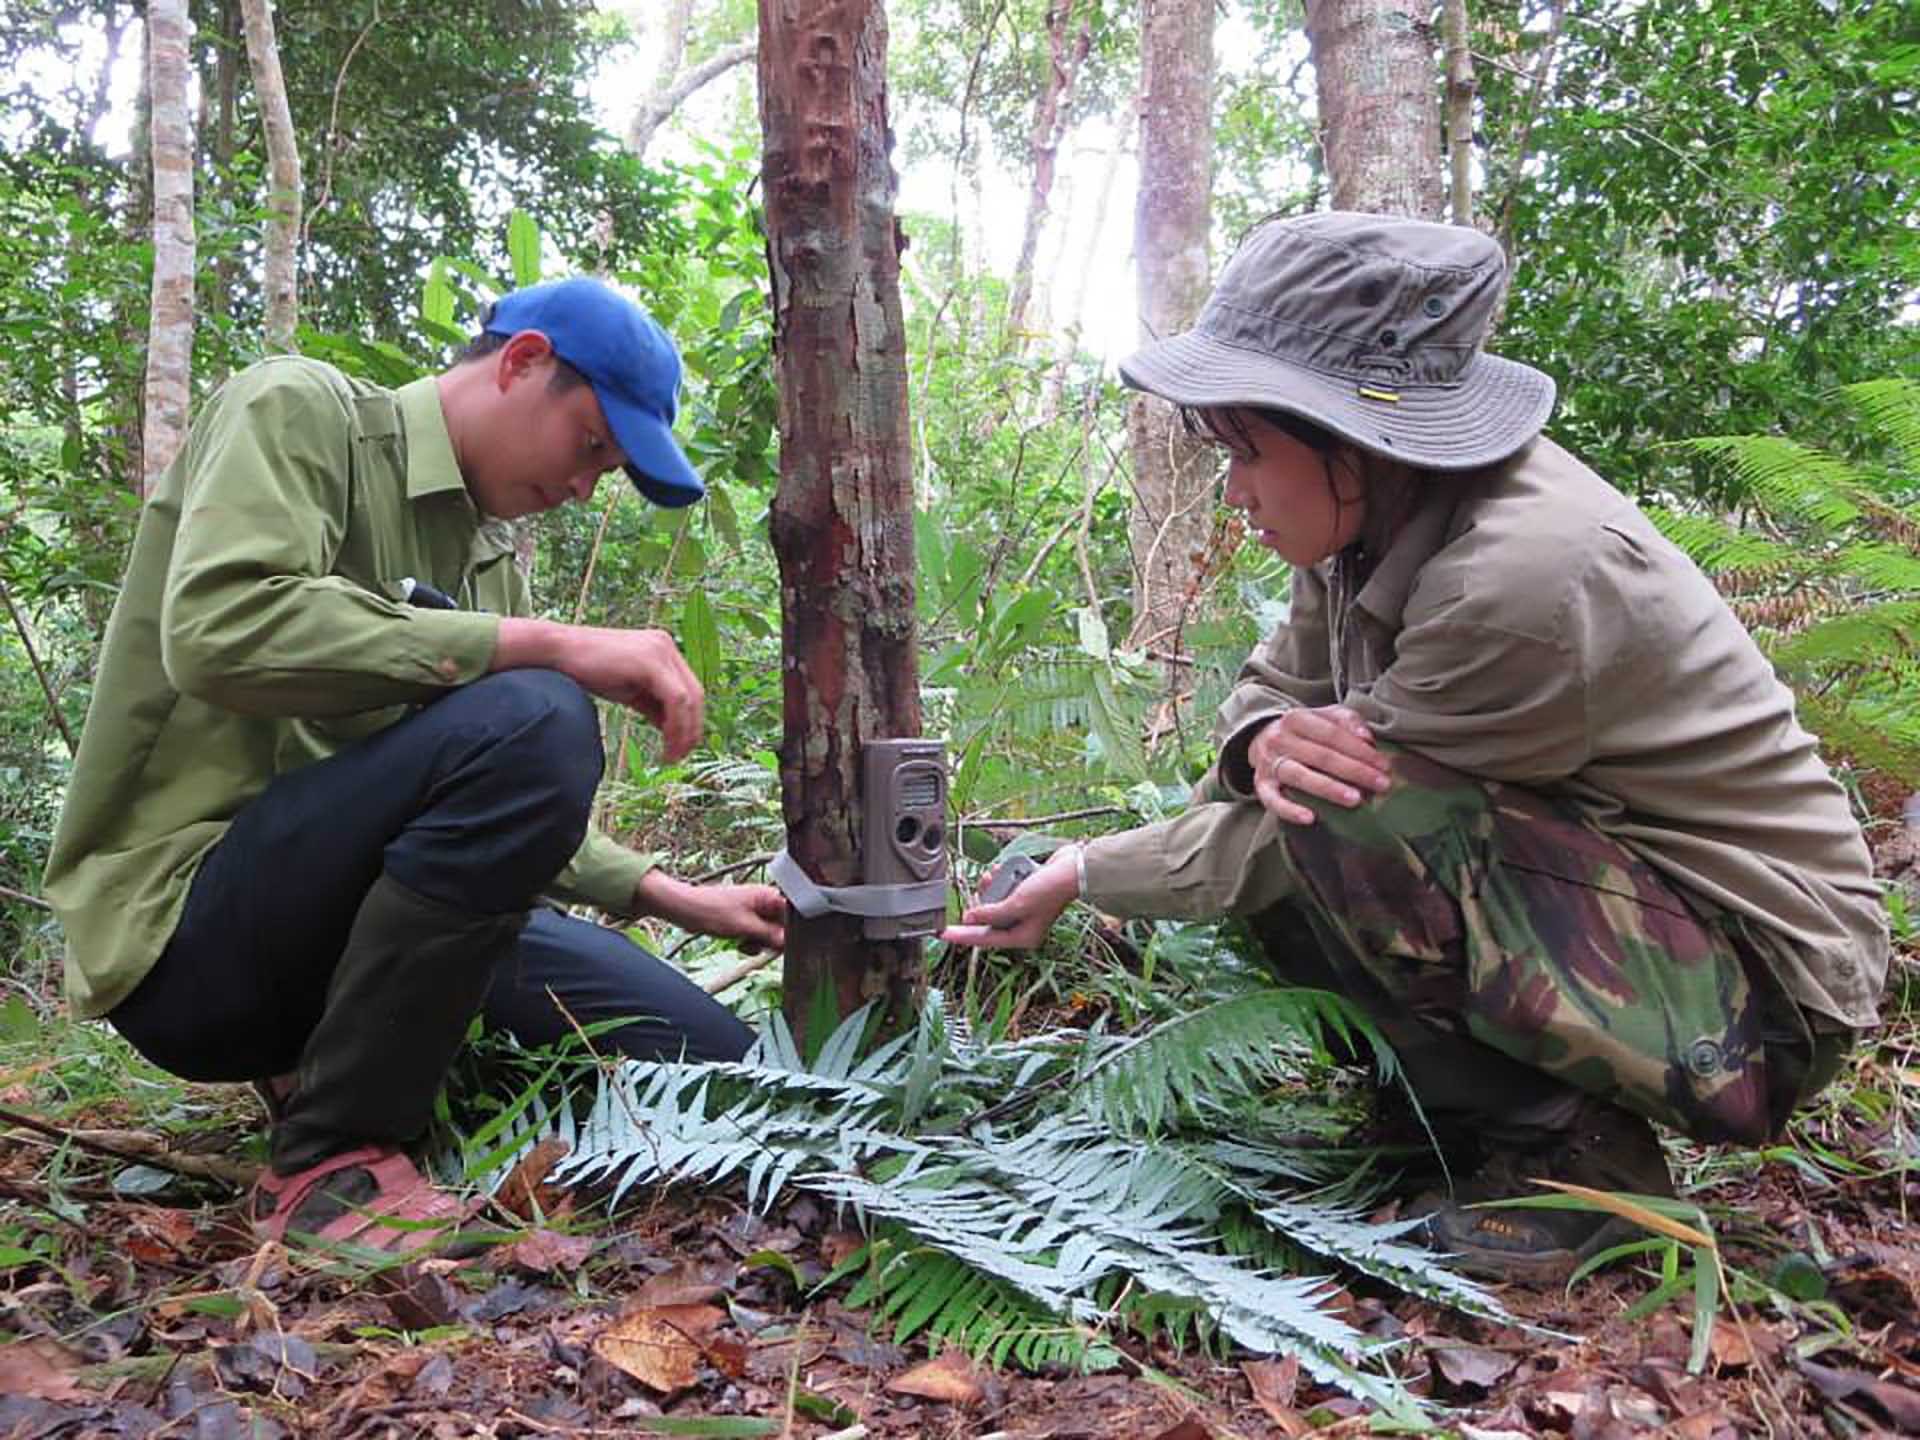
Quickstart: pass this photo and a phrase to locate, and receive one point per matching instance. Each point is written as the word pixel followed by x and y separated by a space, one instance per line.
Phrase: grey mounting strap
pixel 885 902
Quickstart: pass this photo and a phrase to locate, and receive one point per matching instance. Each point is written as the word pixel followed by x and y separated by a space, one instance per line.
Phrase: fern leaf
pixel 1791 478
pixel 1893 408
pixel 1229 1044
pixel 1719 548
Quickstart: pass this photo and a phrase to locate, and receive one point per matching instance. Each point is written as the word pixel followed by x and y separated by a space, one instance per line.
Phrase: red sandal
pixel 379 1201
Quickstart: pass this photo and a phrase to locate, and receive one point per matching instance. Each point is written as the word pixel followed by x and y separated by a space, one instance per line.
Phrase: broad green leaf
pixel 523 248
pixel 436 299
pixel 700 638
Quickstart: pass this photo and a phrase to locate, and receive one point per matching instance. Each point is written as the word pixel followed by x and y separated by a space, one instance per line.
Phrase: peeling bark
pixel 170 318
pixel 842 518
pixel 1373 66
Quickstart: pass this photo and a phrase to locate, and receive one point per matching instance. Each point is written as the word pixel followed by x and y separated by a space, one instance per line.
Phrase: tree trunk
pixel 170 320
pixel 842 518
pixel 1172 513
pixel 223 278
pixel 1373 64
pixel 1049 122
pixel 283 167
pixel 1460 88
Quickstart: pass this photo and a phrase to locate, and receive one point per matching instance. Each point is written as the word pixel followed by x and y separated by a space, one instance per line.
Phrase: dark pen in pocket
pixel 418 592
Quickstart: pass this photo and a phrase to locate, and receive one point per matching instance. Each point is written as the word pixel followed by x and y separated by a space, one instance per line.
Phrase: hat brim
pixel 1494 410
pixel 656 464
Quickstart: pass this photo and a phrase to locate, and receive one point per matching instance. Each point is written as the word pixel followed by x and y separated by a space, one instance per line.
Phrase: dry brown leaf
pixel 525 1192
pixel 1729 1344
pixel 1274 1383
pixel 158 1235
pixel 837 1245
pixel 545 1251
pixel 1701 1425
pixel 692 1282
pixel 660 1345
pixel 391 1382
pixel 40 1368
pixel 1472 1367
pixel 949 1376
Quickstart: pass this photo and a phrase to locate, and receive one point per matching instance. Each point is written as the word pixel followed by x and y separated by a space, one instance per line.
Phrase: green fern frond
pixel 1882 567
pixel 1892 407
pixel 1717 547
pixel 1236 1043
pixel 1790 478
pixel 1119 718
pixel 1859 638
pixel 1028 1235
pixel 1874 732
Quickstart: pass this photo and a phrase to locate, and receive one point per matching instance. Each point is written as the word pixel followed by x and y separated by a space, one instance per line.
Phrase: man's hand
pixel 1326 752
pixel 1022 920
pixel 639 668
pixel 755 915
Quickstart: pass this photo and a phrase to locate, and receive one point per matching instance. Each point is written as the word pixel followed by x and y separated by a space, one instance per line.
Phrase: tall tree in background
pixel 1172 514
pixel 673 79
pixel 1067 47
pixel 1373 62
pixel 283 167
pixel 842 518
pixel 170 322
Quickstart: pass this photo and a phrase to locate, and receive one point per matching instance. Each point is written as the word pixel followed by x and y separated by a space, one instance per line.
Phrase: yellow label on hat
pixel 1367 392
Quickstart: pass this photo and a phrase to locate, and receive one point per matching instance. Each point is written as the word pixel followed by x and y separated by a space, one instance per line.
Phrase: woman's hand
pixel 1022 920
pixel 1326 752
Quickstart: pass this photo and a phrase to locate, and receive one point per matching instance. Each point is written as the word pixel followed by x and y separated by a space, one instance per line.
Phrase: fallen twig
pixel 7 892
pixel 138 1148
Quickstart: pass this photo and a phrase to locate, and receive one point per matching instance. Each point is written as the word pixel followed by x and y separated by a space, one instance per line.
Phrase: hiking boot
pixel 370 1196
pixel 1603 1148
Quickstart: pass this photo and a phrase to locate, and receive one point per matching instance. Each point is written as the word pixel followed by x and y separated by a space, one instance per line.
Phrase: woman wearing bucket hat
pixel 1511 776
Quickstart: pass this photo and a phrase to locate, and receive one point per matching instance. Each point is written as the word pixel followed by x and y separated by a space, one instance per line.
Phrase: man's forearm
pixel 525 643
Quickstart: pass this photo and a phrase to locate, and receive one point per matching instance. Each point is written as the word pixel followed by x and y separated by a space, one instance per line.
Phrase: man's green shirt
pixel 262 626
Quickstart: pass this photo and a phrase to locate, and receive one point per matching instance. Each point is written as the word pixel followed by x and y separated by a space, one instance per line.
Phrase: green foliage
pixel 1835 600
pixel 1710 209
pixel 1012 1197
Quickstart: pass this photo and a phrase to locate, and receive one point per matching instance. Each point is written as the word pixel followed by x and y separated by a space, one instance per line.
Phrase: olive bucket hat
pixel 1368 325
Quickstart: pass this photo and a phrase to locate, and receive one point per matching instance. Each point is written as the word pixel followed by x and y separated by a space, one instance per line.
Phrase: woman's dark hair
pixel 1390 488
pixel 564 376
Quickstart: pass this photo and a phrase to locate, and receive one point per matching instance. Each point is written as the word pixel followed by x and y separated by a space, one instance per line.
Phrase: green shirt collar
pixel 431 468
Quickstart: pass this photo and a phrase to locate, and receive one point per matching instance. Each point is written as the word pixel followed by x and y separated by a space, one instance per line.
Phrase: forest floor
pixel 155 1314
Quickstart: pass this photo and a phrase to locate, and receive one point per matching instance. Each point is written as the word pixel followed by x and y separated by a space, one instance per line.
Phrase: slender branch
pixel 1519 146
pixel 333 128
pixel 727 979
pixel 39 670
pixel 739 867
pixel 593 555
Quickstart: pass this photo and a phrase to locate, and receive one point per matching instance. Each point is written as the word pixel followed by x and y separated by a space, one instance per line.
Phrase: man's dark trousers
pixel 463 812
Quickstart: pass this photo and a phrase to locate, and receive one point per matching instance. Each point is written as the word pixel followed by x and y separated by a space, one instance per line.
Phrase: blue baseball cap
pixel 631 364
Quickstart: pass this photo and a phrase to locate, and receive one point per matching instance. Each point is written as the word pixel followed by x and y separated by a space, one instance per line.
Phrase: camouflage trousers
pixel 1517 958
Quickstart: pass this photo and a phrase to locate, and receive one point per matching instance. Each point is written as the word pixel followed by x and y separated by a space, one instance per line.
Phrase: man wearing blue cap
pixel 333 764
